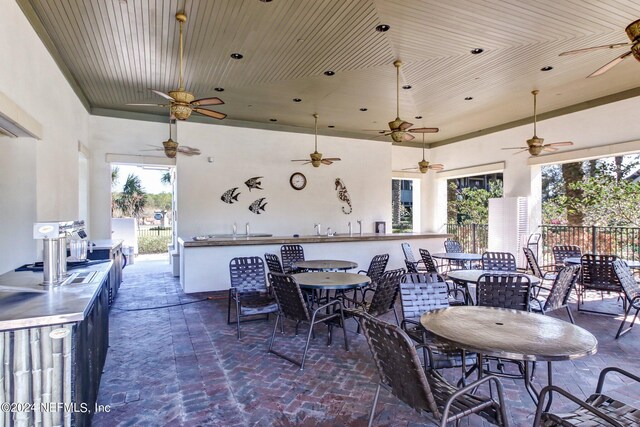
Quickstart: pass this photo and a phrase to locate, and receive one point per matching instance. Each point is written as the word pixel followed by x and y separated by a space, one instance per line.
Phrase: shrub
pixel 153 244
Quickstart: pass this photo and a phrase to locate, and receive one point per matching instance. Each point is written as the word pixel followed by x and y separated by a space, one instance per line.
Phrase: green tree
pixel 471 205
pixel 166 178
pixel 115 176
pixel 131 201
pixel 161 201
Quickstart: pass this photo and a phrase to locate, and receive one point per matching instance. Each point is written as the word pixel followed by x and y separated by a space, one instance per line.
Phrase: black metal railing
pixel 474 238
pixel 623 242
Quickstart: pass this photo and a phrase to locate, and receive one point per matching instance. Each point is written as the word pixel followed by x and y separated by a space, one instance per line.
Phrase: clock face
pixel 298 181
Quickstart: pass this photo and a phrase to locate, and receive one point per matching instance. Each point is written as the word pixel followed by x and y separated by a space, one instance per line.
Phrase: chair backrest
pixel 429 263
pixel 597 273
pixel 504 290
pixel 626 279
pixel 273 263
pixel 247 274
pixel 291 302
pixel 290 254
pixel 408 252
pixel 398 364
pixel 561 289
pixel 504 261
pixel 452 246
pixel 561 252
pixel 377 266
pixel 420 293
pixel 386 292
pixel 532 262
pixel 412 267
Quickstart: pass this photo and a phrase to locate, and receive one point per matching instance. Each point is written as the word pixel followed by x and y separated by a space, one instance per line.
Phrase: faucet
pixel 235 229
pixel 317 227
pixel 360 225
pixel 350 229
pixel 246 228
pixel 329 232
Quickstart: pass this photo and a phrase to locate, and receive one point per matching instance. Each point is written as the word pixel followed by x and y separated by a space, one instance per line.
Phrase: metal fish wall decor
pixel 343 195
pixel 230 196
pixel 254 183
pixel 257 206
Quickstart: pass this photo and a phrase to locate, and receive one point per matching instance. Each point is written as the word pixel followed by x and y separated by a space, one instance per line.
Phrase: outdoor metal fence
pixel 154 231
pixel 473 237
pixel 623 242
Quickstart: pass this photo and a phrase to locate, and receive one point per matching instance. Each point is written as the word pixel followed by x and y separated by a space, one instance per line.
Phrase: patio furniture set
pixel 476 319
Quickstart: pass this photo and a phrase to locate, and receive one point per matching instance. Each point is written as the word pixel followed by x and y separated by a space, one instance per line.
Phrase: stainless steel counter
pixel 283 240
pixel 57 305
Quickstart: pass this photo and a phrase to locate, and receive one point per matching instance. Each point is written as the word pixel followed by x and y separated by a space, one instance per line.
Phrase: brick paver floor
pixel 182 365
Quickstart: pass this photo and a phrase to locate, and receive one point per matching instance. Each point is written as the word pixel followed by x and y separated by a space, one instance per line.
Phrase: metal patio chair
pixel 533 265
pixel 504 261
pixel 454 246
pixel 559 293
pixel 560 252
pixel 427 392
pixel 292 306
pixel 413 266
pixel 429 264
pixel 249 290
pixel 597 275
pixel 290 254
pixel 631 290
pixel 376 269
pixel 273 263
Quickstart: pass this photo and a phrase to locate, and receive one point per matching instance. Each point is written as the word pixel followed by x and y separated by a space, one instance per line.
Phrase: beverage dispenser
pixel 54 236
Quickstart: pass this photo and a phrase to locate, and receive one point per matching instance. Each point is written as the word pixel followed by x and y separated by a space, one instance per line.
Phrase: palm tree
pixel 166 178
pixel 115 176
pixel 132 200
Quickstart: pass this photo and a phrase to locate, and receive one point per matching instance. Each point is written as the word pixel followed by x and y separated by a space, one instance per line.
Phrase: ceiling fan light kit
pixel 170 148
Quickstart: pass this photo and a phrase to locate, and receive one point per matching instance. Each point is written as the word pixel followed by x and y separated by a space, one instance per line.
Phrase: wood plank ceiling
pixel 115 50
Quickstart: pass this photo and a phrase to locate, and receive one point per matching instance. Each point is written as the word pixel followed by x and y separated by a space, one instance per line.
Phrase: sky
pixel 150 179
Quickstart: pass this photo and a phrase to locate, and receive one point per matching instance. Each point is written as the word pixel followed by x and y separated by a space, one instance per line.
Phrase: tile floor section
pixel 183 365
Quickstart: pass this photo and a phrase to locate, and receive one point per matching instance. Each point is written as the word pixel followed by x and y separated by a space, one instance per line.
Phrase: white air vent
pixel 15 122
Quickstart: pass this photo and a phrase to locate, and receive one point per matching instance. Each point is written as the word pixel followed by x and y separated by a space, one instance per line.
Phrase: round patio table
pixel 331 280
pixel 635 265
pixel 325 265
pixel 510 334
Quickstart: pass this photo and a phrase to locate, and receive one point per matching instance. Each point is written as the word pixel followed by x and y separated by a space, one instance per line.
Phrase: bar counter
pixel 204 264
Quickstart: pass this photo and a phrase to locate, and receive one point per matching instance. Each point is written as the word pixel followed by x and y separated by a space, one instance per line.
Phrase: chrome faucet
pixel 360 225
pixel 329 232
pixel 317 227
pixel 246 229
pixel 235 229
pixel 350 229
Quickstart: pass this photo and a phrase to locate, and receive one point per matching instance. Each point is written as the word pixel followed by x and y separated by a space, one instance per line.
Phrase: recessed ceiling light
pixel 363 109
pixel 265 1
pixel 237 56
pixel 547 68
pixel 219 89
pixel 297 100
pixel 406 87
pixel 273 120
pixel 418 117
pixel 331 126
pixel 383 28
pixel 468 98
pixel 476 51
pixel 329 73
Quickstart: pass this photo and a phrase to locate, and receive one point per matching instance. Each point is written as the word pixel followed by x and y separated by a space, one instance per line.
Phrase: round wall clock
pixel 298 181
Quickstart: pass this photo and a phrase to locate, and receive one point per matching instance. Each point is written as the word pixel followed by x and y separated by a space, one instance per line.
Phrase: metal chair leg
pixel 273 335
pixel 570 315
pixel 395 313
pixel 344 330
pixel 306 346
pixel 238 317
pixel 624 320
pixel 373 407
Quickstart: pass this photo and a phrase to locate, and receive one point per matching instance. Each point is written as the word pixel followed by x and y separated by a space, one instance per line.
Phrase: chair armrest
pixel 362 272
pixel 548 389
pixel 532 299
pixel 343 297
pixel 604 373
pixel 468 388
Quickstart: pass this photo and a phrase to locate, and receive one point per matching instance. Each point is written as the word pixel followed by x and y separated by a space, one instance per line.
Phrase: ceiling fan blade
pixel 408 137
pixel 300 160
pixel 609 65
pixel 207 101
pixel 559 144
pixel 589 49
pixel 210 113
pixel 437 167
pixel 332 159
pixel 521 151
pixel 516 148
pixel 405 125
pixel 410 169
pixel 150 105
pixel 162 94
pixel 188 151
pixel 153 149
pixel 424 130
pixel 548 148
pixel 326 162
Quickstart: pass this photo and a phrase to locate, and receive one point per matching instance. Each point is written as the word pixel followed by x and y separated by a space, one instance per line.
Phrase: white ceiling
pixel 113 51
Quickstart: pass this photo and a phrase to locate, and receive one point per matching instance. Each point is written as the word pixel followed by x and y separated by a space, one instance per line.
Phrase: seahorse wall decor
pixel 343 195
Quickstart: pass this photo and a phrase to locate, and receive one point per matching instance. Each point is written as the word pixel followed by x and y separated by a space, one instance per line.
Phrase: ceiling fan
pixel 633 32
pixel 183 103
pixel 398 129
pixel 171 147
pixel 316 158
pixel 423 165
pixel 536 145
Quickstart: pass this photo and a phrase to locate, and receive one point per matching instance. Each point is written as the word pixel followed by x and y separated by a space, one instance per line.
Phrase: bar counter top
pixel 240 239
pixel 25 303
